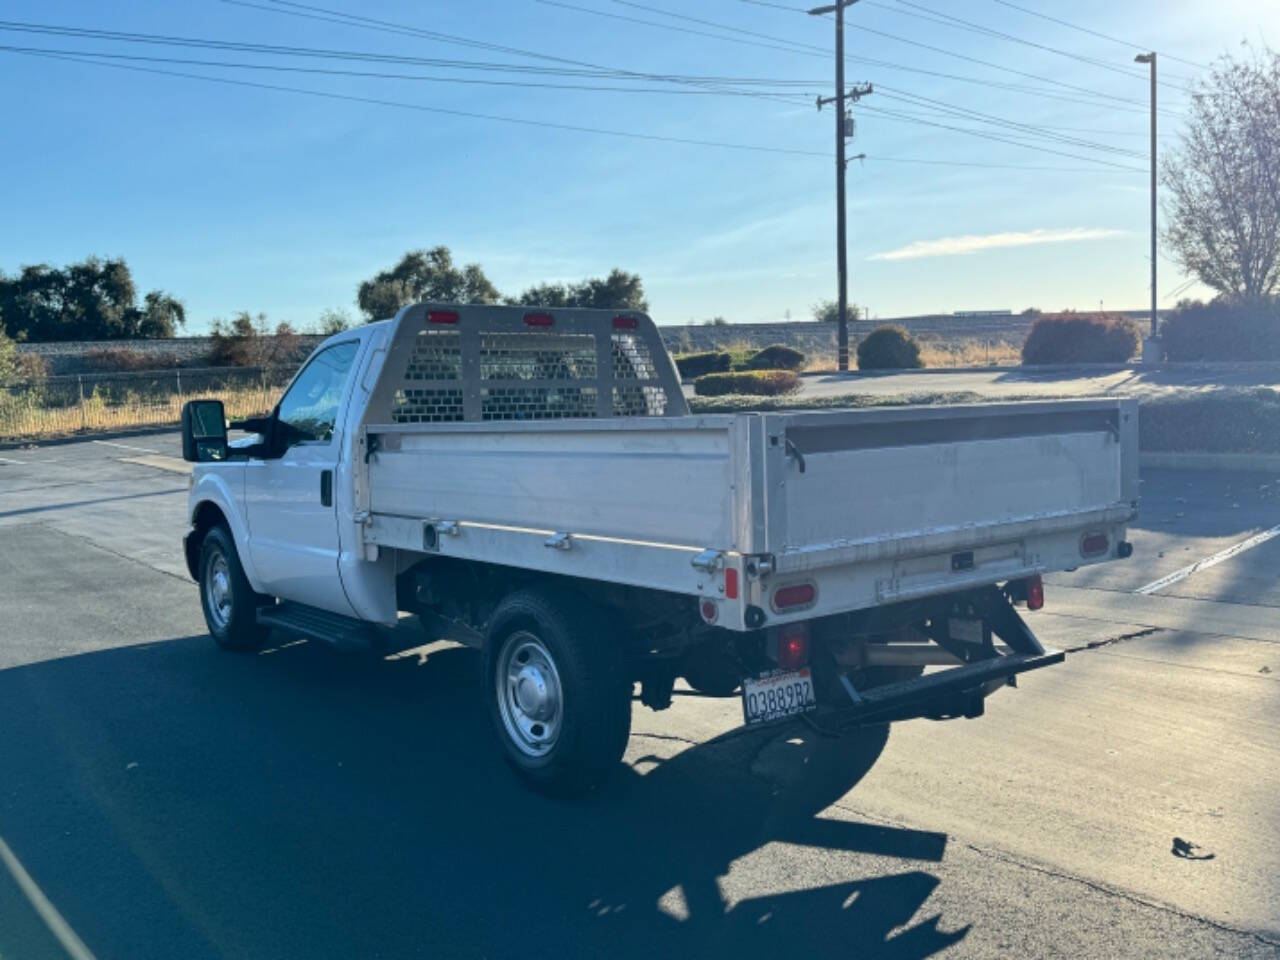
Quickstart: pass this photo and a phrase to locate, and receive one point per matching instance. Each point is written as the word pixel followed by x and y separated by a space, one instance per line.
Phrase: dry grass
pixel 942 353
pixel 27 415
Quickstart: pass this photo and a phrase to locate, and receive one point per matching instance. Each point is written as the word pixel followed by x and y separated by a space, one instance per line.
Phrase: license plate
pixel 783 693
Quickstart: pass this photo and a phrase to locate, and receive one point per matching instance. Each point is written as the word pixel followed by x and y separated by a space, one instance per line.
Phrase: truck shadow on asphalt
pixel 174 800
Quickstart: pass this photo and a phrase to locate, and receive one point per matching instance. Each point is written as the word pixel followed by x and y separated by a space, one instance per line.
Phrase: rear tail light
pixel 794 596
pixel 442 316
pixel 1035 593
pixel 538 319
pixel 1093 544
pixel 710 611
pixel 625 323
pixel 793 646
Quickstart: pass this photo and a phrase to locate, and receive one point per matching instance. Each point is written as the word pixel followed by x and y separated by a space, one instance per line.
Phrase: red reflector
pixel 442 316
pixel 538 319
pixel 793 646
pixel 625 323
pixel 1035 593
pixel 731 583
pixel 1093 544
pixel 796 595
pixel 710 610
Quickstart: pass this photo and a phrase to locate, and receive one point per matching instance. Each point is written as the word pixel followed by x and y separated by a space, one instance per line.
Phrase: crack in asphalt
pixel 98 546
pixel 1109 641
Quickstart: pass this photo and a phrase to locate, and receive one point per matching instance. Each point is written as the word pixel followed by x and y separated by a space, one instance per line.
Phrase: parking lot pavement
pixel 169 799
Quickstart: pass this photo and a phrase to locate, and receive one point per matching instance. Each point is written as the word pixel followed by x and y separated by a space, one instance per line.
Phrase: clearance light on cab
pixel 538 320
pixel 442 316
pixel 625 323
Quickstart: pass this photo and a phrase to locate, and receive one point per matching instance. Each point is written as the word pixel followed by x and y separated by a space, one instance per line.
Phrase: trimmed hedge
pixel 777 356
pixel 760 383
pixel 889 348
pixel 1222 331
pixel 1081 338
pixel 1222 421
pixel 693 365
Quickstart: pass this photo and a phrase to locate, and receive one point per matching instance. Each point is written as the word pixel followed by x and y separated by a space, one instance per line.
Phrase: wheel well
pixel 207 516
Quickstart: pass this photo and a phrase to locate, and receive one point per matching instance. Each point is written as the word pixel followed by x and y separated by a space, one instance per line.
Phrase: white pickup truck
pixel 531 482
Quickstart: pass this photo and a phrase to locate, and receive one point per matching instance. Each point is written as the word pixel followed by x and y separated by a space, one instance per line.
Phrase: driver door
pixel 293 524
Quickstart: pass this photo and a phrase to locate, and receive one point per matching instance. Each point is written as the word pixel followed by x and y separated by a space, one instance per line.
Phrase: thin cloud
pixel 977 243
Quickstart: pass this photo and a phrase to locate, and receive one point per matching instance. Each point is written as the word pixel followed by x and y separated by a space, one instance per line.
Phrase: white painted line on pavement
pixel 1231 551
pixel 48 912
pixel 125 446
pixel 10 460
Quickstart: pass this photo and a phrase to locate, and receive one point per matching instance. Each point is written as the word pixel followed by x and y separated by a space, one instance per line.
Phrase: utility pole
pixel 1151 59
pixel 842 132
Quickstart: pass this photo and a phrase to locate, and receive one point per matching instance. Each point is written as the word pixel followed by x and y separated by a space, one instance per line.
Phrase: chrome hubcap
pixel 217 590
pixel 529 697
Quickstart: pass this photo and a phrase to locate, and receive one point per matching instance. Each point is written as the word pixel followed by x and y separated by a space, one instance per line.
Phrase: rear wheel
pixel 230 604
pixel 559 696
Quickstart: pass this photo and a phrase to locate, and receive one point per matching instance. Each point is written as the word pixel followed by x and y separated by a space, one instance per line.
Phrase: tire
pixel 558 692
pixel 229 603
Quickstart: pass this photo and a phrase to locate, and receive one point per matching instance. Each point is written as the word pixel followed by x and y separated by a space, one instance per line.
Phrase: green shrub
pixel 1081 338
pixel 889 348
pixel 1222 331
pixel 760 383
pixel 693 365
pixel 740 358
pixel 777 357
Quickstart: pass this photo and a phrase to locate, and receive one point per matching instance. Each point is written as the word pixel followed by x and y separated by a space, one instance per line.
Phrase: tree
pixel 1223 201
pixel 424 275
pixel 249 341
pixel 828 311
pixel 618 291
pixel 333 321
pixel 90 300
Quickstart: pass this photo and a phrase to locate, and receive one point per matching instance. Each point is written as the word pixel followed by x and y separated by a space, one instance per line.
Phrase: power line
pixel 1094 33
pixel 986 63
pixel 324 71
pixel 471 114
pixel 350 98
pixel 947 19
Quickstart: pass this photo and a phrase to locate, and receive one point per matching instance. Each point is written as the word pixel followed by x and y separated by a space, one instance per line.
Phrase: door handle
pixel 326 488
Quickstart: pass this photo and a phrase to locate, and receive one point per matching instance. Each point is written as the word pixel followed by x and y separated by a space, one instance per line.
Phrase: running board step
pixel 344 633
pixel 869 704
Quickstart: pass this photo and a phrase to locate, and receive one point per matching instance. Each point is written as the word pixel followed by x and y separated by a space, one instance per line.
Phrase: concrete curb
pixel 89 435
pixel 1255 462
pixel 1137 367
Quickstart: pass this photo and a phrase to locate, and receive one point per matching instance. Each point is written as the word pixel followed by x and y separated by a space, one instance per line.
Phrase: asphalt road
pixel 160 798
pixel 1086 381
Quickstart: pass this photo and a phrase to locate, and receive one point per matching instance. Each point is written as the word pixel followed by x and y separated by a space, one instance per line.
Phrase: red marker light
pixel 795 595
pixel 1035 593
pixel 538 319
pixel 731 583
pixel 793 646
pixel 442 316
pixel 625 323
pixel 1093 544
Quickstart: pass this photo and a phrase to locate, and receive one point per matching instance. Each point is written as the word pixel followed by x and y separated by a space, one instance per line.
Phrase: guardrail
pixel 81 403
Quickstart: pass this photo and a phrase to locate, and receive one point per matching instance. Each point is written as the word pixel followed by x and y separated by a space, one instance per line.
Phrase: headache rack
pixel 471 363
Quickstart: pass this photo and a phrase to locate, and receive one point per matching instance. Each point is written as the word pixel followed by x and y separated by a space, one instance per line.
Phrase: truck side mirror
pixel 204 431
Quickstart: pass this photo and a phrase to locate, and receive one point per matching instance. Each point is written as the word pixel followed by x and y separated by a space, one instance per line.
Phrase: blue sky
pixel 235 197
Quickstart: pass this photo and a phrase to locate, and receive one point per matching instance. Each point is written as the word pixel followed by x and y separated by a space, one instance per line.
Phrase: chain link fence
pixel 85 403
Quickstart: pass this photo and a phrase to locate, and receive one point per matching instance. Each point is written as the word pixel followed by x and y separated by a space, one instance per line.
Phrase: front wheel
pixel 559 696
pixel 229 602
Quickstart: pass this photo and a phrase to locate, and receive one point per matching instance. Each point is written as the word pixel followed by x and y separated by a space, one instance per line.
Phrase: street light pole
pixel 842 265
pixel 1151 59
